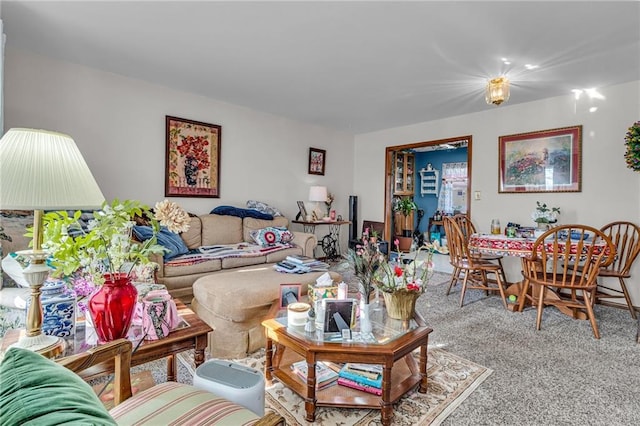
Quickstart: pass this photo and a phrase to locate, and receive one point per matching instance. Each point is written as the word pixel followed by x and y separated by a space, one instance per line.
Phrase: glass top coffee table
pixel 389 344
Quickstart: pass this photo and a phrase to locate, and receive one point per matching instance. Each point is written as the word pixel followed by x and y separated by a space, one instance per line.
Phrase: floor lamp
pixel 42 170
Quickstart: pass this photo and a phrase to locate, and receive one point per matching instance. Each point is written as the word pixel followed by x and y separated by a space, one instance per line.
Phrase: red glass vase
pixel 112 307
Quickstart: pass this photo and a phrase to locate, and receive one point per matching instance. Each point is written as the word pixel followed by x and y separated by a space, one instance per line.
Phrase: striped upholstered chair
pixel 36 390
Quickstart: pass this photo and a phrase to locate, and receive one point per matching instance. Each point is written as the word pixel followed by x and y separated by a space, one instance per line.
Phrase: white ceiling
pixel 354 66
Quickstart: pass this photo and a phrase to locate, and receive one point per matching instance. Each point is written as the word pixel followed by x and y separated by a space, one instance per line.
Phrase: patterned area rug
pixel 451 380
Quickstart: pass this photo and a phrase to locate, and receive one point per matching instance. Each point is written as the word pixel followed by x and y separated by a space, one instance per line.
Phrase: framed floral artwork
pixel 542 161
pixel 192 166
pixel 316 161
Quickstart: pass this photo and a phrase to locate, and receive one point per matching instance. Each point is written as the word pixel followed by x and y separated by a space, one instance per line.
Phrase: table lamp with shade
pixel 318 194
pixel 42 170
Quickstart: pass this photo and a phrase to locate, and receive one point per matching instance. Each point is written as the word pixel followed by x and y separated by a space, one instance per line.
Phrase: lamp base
pixel 48 346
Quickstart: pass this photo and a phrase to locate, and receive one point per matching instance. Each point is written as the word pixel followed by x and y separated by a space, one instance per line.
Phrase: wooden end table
pixel 192 334
pixel 391 346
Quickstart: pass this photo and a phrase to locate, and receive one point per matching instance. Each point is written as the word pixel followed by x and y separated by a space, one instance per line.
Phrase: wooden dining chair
pixel 562 270
pixel 626 238
pixel 467 227
pixel 475 268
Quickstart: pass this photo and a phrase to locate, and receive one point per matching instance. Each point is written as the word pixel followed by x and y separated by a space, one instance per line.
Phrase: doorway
pixel 432 158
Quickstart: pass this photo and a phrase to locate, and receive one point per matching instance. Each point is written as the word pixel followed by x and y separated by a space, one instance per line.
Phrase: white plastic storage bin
pixel 235 382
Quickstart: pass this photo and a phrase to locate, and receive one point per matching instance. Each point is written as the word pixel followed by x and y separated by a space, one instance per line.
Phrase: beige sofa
pixel 213 229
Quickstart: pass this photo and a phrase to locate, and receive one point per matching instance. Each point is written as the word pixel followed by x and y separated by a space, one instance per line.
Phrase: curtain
pixel 453 189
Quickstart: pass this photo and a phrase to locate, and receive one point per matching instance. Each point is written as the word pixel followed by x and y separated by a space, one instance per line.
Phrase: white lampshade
pixel 318 193
pixel 43 170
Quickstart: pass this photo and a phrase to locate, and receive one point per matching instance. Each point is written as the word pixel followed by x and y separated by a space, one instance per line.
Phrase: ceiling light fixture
pixel 497 91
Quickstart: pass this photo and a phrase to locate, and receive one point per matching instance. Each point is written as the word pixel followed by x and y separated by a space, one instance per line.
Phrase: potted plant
pixel 404 281
pixel 101 251
pixel 544 215
pixel 405 206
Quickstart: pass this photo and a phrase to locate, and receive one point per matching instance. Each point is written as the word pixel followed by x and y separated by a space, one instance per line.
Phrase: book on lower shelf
pixel 368 378
pixel 355 385
pixel 325 376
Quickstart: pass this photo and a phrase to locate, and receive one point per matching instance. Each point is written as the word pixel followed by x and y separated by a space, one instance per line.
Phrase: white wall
pixel 610 191
pixel 119 125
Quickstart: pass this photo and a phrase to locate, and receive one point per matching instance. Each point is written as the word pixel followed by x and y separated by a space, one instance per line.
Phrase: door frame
pixel 388 184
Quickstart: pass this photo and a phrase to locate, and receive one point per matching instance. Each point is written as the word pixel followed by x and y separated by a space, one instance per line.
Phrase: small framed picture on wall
pixel 317 161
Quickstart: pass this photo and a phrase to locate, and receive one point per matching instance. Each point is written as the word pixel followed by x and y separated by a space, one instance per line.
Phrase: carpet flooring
pixel 451 379
pixel 559 375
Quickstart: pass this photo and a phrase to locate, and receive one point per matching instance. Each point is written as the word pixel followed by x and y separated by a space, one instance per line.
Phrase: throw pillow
pixel 272 235
pixel 36 390
pixel 169 240
pixel 263 207
pixel 239 212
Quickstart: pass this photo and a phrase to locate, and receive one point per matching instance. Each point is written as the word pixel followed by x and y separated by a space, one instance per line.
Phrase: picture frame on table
pixel 303 211
pixel 192 161
pixel 317 158
pixel 541 161
pixel 339 314
pixel 289 292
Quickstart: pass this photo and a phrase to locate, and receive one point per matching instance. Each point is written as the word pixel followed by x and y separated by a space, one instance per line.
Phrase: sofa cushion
pixel 193 236
pixel 240 212
pixel 251 224
pixel 218 229
pixel 37 391
pixel 169 240
pixel 179 269
pixel 179 404
pixel 281 255
pixel 236 262
pixel 272 235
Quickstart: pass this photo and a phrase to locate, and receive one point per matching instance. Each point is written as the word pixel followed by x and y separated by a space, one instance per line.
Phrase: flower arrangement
pixel 544 214
pixel 104 245
pixel 328 202
pixel 632 141
pixel 410 275
pixel 366 261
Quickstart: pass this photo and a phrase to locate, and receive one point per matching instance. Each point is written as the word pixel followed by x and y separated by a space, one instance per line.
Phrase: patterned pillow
pixel 263 207
pixel 272 235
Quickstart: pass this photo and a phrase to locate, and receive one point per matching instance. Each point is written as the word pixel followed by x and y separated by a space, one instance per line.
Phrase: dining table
pixel 500 244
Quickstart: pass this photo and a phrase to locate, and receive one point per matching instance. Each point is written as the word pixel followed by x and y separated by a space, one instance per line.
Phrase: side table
pixel 330 243
pixel 193 335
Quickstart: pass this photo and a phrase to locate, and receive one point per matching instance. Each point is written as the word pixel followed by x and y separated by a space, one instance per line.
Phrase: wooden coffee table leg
pixel 310 400
pixel 386 406
pixel 423 369
pixel 171 368
pixel 268 366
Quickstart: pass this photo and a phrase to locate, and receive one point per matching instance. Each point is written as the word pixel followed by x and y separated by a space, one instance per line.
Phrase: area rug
pixel 451 379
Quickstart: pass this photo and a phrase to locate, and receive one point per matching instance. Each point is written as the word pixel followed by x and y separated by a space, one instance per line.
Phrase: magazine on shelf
pixel 359 378
pixel 370 368
pixel 325 376
pixel 369 374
